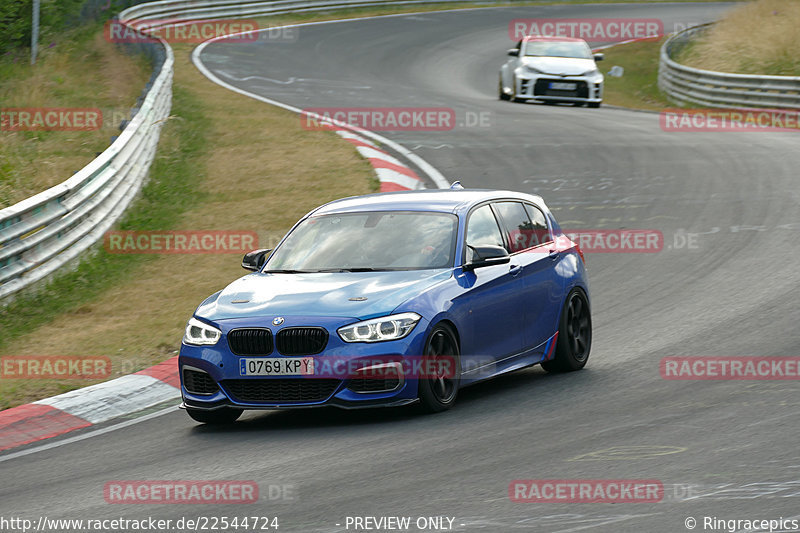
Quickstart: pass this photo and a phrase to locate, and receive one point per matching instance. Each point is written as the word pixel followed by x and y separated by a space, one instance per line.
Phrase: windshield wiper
pixel 331 270
pixel 353 269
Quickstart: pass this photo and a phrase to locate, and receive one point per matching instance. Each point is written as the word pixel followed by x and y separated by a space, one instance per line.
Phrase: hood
pixel 570 66
pixel 319 294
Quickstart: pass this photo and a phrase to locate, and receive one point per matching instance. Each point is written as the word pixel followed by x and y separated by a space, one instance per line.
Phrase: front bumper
pixel 587 89
pixel 335 382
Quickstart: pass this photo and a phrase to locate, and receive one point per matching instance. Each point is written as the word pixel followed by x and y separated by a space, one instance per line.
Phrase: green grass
pixel 773 39
pixel 170 191
pixel 81 70
pixel 638 87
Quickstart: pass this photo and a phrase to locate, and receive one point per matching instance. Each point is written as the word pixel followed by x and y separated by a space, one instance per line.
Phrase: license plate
pixel 561 86
pixel 285 366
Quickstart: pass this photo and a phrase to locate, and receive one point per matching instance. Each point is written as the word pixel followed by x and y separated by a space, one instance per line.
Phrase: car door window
pixel 518 226
pixel 482 230
pixel 541 232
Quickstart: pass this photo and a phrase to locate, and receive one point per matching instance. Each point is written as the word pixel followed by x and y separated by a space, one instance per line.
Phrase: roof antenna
pixel 456 186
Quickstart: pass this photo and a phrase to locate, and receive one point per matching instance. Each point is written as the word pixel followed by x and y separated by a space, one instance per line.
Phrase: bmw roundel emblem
pixel 277 321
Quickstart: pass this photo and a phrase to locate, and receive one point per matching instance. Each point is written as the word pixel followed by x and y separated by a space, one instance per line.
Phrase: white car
pixel 552 69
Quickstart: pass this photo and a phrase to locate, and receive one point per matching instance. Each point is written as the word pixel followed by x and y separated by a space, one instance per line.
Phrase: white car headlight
pixel 592 72
pixel 200 333
pixel 386 328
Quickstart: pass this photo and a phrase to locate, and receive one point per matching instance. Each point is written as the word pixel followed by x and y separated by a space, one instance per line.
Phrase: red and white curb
pixel 88 406
pixel 393 175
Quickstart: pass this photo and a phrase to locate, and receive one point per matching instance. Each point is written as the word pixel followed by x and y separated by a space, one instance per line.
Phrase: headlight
pixel 592 72
pixel 387 328
pixel 199 333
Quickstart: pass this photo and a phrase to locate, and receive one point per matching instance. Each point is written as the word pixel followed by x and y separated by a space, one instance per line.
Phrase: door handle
pixel 553 254
pixel 514 270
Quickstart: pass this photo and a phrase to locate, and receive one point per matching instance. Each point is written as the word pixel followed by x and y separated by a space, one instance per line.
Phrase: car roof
pixel 552 38
pixel 441 200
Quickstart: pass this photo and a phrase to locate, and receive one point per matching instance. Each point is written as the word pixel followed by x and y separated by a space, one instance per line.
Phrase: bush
pixel 54 15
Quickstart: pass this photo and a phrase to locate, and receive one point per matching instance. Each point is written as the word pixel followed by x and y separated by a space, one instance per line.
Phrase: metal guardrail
pixel 49 230
pixel 720 89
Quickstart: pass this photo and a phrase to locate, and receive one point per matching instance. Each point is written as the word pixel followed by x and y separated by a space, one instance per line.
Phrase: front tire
pixel 574 335
pixel 223 415
pixel 442 353
pixel 501 94
pixel 594 105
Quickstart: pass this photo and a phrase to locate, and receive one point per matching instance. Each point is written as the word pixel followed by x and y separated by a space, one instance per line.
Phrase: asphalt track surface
pixel 724 449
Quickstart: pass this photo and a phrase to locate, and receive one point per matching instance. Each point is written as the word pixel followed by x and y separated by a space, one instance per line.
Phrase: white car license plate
pixel 562 86
pixel 285 366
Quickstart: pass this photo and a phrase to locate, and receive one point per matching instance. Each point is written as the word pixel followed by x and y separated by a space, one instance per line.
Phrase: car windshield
pixel 558 49
pixel 382 240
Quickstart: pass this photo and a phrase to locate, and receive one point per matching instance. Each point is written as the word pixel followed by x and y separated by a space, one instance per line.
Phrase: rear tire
pixel 594 105
pixel 574 335
pixel 223 415
pixel 439 394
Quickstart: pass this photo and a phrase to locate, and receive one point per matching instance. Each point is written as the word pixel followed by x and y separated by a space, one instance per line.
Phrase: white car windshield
pixel 558 49
pixel 377 240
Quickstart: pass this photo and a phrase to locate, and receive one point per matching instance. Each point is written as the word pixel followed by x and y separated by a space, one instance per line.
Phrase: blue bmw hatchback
pixel 390 299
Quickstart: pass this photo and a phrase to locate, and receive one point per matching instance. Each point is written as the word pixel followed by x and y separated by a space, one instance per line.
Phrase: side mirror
pixel 255 260
pixel 513 52
pixel 599 57
pixel 487 256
